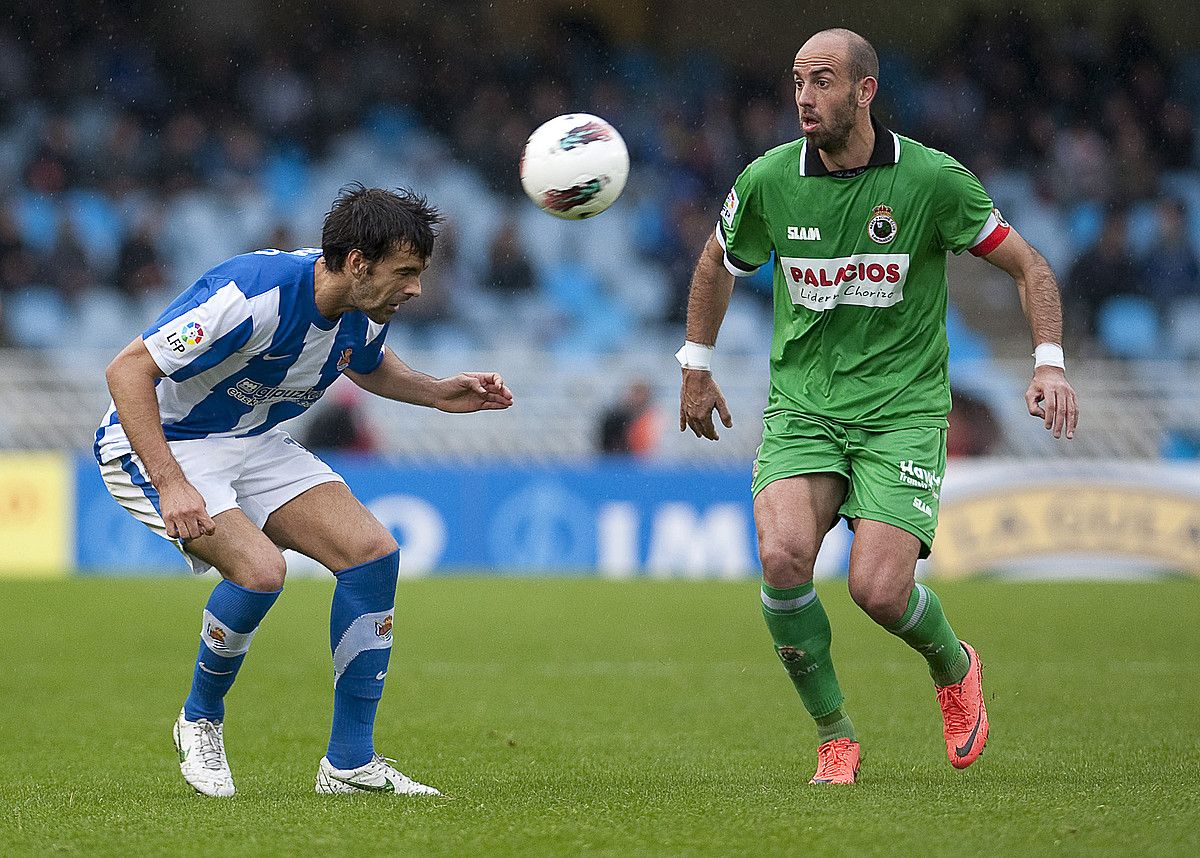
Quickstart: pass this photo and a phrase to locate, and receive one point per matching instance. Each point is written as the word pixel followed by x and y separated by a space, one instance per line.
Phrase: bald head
pixel 860 58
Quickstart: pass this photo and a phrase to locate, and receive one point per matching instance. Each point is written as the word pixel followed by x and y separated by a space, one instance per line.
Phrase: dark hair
pixel 377 221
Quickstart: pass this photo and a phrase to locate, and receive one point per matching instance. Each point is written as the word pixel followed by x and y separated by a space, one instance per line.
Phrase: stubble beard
pixel 834 134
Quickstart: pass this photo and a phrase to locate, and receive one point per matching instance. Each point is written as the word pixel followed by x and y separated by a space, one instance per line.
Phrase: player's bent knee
pixel 786 564
pixel 378 542
pixel 882 602
pixel 264 573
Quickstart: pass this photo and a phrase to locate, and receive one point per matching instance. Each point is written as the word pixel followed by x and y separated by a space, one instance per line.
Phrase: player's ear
pixel 356 263
pixel 867 88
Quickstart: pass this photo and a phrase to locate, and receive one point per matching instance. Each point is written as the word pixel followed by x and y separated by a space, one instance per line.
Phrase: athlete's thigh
pixel 896 479
pixel 883 560
pixel 793 514
pixel 240 551
pixel 330 525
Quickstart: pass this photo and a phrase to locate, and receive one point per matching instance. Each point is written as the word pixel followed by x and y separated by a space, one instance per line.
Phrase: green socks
pixel 800 629
pixel 925 628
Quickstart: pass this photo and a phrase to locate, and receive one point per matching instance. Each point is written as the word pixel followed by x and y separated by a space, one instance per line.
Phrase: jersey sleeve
pixel 368 359
pixel 742 230
pixel 965 217
pixel 210 321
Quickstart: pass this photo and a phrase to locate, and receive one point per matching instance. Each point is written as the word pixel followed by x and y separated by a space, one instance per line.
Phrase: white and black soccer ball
pixel 574 166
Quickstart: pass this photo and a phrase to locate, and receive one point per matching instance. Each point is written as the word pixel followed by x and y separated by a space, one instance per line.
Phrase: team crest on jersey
pixel 730 208
pixel 384 629
pixel 344 361
pixel 881 228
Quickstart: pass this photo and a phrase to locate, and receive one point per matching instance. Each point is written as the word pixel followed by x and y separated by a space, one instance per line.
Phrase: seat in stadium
pixel 1183 328
pixel 1127 327
pixel 33 317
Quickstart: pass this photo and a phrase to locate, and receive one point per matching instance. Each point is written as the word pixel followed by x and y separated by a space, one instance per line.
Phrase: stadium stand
pixel 132 170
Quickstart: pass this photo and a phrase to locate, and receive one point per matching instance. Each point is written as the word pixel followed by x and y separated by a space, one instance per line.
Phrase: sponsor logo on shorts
pixel 923 507
pixel 864 280
pixel 914 475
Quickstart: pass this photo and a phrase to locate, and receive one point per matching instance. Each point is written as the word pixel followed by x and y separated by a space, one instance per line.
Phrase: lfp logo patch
pixel 191 334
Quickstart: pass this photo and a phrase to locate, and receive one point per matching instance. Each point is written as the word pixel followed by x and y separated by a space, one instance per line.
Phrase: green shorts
pixel 895 476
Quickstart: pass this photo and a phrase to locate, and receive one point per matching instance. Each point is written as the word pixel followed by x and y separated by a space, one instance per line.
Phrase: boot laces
pixel 211 745
pixel 831 757
pixel 954 709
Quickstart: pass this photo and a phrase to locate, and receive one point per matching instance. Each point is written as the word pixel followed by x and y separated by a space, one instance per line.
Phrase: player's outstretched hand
pixel 1051 397
pixel 698 396
pixel 473 391
pixel 183 511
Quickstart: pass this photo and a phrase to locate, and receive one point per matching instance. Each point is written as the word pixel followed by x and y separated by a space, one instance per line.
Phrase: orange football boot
pixel 964 714
pixel 837 762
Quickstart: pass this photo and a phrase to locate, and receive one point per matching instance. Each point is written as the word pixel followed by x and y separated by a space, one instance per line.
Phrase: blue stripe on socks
pixel 360 636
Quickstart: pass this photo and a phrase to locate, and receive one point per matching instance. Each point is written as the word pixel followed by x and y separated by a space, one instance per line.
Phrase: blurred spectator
pixel 1082 162
pixel 435 306
pixel 510 273
pixel 68 266
pixel 1170 269
pixel 17 264
pixel 1103 270
pixel 633 424
pixel 280 238
pixel 140 270
pixel 973 430
pixel 340 423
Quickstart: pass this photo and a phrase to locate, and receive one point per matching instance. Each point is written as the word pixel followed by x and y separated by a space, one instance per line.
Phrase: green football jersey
pixel 860 275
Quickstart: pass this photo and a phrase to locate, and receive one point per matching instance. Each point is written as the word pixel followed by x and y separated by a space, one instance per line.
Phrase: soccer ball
pixel 574 166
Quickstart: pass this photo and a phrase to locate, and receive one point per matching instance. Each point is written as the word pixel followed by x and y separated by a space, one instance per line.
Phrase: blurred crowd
pixel 147 158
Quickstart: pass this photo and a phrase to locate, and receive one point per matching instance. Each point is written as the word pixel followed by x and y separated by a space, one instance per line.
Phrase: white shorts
pixel 257 475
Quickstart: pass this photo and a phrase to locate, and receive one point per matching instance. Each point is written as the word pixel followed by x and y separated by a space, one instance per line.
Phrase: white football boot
pixel 378 775
pixel 201 747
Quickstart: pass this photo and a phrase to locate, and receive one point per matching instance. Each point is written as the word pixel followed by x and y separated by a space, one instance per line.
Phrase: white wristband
pixel 695 356
pixel 1048 354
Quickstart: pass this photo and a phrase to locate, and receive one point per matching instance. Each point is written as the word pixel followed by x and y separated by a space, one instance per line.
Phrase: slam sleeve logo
pixel 189 336
pixel 730 208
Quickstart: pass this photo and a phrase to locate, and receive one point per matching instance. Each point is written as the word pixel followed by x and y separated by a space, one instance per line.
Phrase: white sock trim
pixel 919 613
pixel 788 604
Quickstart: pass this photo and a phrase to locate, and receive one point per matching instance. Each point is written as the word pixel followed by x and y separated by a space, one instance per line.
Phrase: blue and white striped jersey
pixel 244 349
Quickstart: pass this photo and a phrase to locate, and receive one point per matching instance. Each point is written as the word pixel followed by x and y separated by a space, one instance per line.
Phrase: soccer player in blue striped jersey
pixel 192 448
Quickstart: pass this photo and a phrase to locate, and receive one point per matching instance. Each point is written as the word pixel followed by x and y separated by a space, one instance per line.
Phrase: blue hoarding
pixel 614 517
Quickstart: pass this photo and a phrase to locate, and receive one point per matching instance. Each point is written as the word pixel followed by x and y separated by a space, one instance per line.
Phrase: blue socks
pixel 360 635
pixel 231 618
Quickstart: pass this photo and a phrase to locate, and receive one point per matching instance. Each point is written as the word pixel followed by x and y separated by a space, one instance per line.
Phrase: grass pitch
pixel 571 717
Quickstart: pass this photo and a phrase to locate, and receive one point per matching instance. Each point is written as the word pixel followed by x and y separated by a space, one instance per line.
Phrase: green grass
pixel 574 717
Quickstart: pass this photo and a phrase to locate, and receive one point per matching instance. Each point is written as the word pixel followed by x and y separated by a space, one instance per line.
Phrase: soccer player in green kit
pixel 860 220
